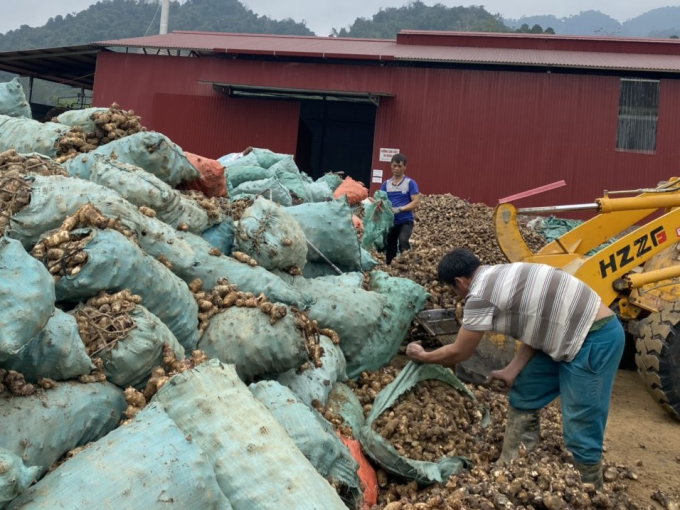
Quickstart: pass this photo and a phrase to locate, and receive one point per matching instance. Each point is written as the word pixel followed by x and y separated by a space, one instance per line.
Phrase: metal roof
pixel 607 53
pixel 70 65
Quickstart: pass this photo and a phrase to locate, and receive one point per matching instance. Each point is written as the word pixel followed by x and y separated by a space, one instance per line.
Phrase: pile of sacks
pixel 135 350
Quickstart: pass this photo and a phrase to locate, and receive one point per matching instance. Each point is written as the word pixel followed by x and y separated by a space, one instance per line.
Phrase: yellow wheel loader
pixel 638 274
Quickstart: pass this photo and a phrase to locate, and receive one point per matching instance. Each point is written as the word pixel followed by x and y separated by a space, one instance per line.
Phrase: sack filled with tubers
pixel 126 337
pixel 151 451
pixel 313 435
pixel 243 442
pixel 417 436
pixel 56 353
pixel 27 295
pixel 271 236
pixel 81 262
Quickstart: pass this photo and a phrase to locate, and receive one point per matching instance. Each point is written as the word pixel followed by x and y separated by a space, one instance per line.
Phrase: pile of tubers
pixel 225 295
pixel 63 253
pixel 431 421
pixel 15 194
pixel 237 207
pixel 137 400
pixel 211 206
pixel 13 162
pixel 15 383
pixel 442 223
pixel 72 143
pixel 104 320
pixel 113 124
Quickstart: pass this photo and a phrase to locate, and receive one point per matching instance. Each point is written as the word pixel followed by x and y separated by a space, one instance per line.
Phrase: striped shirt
pixel 541 306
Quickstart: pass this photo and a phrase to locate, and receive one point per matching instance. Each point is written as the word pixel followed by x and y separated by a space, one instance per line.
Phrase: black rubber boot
pixel 591 473
pixel 522 427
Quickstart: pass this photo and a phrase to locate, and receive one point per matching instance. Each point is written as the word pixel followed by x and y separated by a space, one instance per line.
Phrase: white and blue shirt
pixel 400 195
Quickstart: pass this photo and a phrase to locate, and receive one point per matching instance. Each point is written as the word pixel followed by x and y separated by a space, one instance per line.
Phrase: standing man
pixel 571 347
pixel 404 196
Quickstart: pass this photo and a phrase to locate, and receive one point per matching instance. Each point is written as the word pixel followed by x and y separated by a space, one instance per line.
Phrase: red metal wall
pixel 480 135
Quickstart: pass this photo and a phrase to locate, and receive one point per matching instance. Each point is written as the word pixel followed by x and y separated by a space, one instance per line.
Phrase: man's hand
pixel 505 376
pixel 396 210
pixel 415 351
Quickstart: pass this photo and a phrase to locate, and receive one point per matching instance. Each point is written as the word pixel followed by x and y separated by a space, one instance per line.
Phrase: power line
pixel 154 18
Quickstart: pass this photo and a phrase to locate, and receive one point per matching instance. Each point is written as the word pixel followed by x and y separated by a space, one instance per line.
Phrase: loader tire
pixel 658 358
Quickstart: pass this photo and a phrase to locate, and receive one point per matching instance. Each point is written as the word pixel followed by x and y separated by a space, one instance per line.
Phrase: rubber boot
pixel 522 427
pixel 591 473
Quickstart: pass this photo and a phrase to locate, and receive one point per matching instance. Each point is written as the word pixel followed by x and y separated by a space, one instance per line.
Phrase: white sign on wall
pixel 377 173
pixel 386 154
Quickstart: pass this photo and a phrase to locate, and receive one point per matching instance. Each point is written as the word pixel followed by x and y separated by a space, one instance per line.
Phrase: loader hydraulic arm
pixel 608 271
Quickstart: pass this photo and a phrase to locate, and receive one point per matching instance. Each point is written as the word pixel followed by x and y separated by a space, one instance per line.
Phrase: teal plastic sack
pixel 130 362
pixel 294 183
pixel 57 352
pixel 245 338
pixel 342 402
pixel 271 236
pixel 27 297
pixel 242 173
pixel 147 464
pixel 53 198
pixel 371 324
pixel 331 179
pixel 154 153
pixel 243 442
pixel 221 236
pixel 378 221
pixel 352 312
pixel 318 192
pixel 269 188
pixel 190 258
pixel 375 446
pixel 328 226
pixel 311 433
pixel 237 159
pixel 42 428
pixel 13 102
pixel 321 269
pixel 15 478
pixel 315 383
pixel 266 158
pixel 82 118
pixel 163 293
pixel 404 299
pixel 27 135
pixel 141 188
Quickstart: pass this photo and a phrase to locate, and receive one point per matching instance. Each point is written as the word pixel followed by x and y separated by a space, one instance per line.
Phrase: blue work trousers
pixel 584 386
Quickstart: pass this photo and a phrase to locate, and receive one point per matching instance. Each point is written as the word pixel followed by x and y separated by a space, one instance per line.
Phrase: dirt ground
pixel 639 430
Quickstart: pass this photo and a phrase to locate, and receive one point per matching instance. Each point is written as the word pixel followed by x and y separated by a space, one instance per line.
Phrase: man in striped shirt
pixel 571 347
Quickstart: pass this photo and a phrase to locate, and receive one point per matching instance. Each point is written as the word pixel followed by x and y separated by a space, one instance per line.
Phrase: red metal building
pixel 481 116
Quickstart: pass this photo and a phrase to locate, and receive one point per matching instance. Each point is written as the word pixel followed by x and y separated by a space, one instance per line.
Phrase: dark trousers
pixel 398 240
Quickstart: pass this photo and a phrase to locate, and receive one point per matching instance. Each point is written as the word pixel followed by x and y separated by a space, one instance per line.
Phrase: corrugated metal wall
pixel 480 135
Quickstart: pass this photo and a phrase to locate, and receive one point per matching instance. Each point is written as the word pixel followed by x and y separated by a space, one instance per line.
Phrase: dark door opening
pixel 336 136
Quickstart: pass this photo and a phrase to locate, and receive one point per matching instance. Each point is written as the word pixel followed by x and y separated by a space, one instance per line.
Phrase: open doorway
pixel 336 136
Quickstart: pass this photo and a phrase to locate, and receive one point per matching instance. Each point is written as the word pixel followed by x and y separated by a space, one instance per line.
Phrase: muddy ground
pixel 639 430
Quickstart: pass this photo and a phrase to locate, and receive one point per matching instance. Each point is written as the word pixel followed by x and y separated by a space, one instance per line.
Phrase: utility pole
pixel 165 12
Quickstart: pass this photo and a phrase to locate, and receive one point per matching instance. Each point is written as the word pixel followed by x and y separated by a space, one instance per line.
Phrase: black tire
pixel 658 358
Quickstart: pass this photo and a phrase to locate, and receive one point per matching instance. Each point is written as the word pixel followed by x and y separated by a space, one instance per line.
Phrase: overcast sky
pixel 323 15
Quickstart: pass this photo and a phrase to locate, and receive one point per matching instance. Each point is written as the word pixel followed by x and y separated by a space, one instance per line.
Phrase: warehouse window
pixel 638 113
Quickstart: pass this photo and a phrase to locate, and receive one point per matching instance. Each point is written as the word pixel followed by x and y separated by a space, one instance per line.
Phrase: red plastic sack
pixel 367 476
pixel 355 191
pixel 357 222
pixel 212 181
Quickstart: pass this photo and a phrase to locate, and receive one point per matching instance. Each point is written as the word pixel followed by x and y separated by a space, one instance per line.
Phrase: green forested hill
pixel 116 19
pixel 418 16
